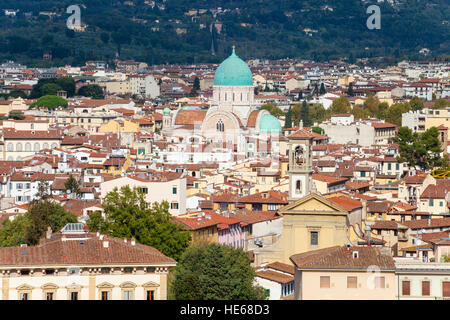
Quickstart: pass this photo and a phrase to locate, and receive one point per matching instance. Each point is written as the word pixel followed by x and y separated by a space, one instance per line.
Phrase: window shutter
pixel 406 288
pixel 352 282
pixel 446 289
pixel 425 288
pixel 324 282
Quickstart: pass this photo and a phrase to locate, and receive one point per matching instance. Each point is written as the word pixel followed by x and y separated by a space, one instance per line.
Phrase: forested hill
pixel 179 31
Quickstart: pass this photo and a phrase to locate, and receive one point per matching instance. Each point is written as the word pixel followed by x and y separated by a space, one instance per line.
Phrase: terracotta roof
pixel 275 276
pixel 346 203
pixel 89 251
pixel 340 258
pixel 330 180
pixel 436 191
pixel 9 133
pixel 301 134
pixel 251 217
pixel 283 267
pixel 428 223
pixel 270 196
pixel 190 117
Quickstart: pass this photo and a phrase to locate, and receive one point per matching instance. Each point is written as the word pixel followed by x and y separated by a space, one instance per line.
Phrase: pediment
pixel 312 204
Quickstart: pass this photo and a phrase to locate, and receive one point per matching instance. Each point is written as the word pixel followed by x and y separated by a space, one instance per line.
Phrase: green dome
pixel 233 71
pixel 269 124
pixel 166 111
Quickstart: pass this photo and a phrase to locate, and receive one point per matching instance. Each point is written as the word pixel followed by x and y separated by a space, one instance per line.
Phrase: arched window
pixel 27 146
pixel 45 145
pixel 298 186
pixel 19 147
pixel 54 145
pixel 10 147
pixel 220 126
pixel 37 147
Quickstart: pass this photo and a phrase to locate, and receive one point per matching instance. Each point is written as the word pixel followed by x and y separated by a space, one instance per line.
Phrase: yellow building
pixel 344 273
pixel 116 165
pixel 119 125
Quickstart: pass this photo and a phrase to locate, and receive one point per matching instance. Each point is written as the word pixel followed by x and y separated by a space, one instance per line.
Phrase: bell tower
pixel 300 164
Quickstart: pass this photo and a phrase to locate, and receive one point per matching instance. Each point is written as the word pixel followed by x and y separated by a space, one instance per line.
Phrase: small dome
pixel 233 71
pixel 166 111
pixel 269 124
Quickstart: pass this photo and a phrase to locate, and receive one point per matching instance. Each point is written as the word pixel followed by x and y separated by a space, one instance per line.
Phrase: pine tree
pixel 288 119
pixel 322 89
pixel 304 114
pixel 350 89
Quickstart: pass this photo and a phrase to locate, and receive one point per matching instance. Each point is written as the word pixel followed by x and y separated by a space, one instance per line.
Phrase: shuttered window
pixel 425 288
pixel 324 282
pixel 352 282
pixel 379 282
pixel 406 288
pixel 446 289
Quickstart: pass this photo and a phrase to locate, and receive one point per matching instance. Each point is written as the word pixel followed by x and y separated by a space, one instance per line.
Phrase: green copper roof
pixel 166 111
pixel 269 124
pixel 233 71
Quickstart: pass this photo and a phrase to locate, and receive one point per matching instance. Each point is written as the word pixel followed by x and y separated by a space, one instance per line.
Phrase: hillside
pixel 179 31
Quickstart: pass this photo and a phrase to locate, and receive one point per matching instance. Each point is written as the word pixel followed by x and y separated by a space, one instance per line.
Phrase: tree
pixel 50 102
pixel 296 113
pixel 350 90
pixel 30 227
pixel 17 93
pixel 300 95
pixel 371 104
pixel 394 113
pixel 360 113
pixel 416 104
pixel 322 89
pixel 273 109
pixel 196 275
pixel 72 185
pixel 288 119
pixel 91 90
pixel 440 104
pixel 421 150
pixel 104 37
pixel 341 105
pixel 318 130
pixel 304 114
pixel 382 109
pixel 67 84
pixel 195 88
pixel 126 216
pixel 50 89
pixel 317 113
pixel 16 116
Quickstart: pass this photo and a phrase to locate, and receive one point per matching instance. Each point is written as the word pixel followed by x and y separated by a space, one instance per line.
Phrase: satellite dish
pixel 68 191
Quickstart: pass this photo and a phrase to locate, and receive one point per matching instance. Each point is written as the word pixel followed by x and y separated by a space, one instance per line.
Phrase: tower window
pixel 220 126
pixel 298 186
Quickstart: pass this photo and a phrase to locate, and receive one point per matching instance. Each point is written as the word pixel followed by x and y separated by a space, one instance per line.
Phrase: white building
pixel 170 187
pixel 144 86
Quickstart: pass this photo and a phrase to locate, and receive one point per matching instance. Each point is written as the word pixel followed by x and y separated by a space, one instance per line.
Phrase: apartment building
pixel 170 187
pixel 77 265
pixel 361 132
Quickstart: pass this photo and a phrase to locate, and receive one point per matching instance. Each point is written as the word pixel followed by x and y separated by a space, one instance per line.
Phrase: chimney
pixel 49 232
pixel 133 241
pixel 101 237
pixel 105 244
pixel 125 240
pixel 301 125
